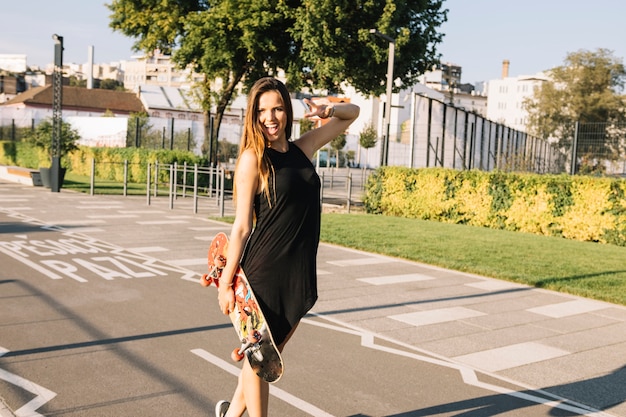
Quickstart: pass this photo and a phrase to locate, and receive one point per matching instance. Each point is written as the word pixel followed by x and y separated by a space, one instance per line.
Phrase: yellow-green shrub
pixel 109 162
pixel 589 217
pixel 582 208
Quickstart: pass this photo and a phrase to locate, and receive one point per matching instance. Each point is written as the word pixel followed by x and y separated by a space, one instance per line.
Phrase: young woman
pixel 277 221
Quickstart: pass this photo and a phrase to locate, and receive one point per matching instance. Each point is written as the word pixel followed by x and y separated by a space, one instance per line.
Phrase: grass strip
pixel 585 269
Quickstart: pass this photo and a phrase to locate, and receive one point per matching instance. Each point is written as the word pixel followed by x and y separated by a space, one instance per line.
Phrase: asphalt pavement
pixel 557 349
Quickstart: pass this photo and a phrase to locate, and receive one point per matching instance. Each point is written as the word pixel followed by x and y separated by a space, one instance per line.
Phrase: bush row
pixel 109 161
pixel 573 207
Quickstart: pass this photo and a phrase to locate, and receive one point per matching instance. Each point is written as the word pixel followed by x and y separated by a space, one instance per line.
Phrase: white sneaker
pixel 221 408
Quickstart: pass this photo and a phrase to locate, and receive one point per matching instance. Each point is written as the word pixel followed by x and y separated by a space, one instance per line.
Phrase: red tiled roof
pixel 77 98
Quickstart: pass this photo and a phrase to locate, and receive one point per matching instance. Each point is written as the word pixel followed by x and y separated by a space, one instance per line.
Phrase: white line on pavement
pixel 468 374
pixel 276 392
pixel 42 395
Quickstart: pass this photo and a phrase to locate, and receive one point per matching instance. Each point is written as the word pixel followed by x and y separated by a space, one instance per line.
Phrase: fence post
pixel 211 173
pixel 125 177
pixel 349 192
pixel 429 131
pixel 148 177
pixel 171 186
pixel 221 198
pixel 412 129
pixel 172 135
pixel 175 182
pixel 195 188
pixel 184 179
pixel 574 150
pixel 156 178
pixel 93 176
pixel 137 139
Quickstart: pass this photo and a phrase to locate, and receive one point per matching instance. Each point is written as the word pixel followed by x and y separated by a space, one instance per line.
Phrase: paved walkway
pixel 568 346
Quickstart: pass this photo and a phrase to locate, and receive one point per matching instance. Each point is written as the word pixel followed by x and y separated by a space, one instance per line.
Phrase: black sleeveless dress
pixel 280 256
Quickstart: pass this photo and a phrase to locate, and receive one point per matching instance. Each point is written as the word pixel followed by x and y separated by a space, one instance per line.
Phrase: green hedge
pixel 22 154
pixel 574 207
pixel 109 161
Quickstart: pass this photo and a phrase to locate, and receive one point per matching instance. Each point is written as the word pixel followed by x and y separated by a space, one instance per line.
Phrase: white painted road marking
pixel 159 222
pixel 42 395
pixel 396 279
pixel 569 308
pixel 511 356
pixel 361 261
pixel 468 374
pixel 276 392
pixel 442 315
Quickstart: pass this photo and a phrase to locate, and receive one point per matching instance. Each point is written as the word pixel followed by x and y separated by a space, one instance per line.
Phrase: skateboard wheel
pixel 206 280
pixel 236 356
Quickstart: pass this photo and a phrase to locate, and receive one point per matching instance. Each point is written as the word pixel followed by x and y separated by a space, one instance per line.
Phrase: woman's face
pixel 272 116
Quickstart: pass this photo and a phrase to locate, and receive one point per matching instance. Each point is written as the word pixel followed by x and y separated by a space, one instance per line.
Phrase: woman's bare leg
pixel 238 403
pixel 252 394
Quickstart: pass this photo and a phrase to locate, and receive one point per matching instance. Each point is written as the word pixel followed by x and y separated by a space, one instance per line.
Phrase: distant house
pixel 36 103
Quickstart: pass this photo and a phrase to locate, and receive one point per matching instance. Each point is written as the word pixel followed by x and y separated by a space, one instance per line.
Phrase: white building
pixel 507 95
pixel 157 69
pixel 13 63
pixel 471 102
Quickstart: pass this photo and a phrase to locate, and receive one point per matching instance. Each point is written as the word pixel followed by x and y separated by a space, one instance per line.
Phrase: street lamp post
pixel 57 121
pixel 384 153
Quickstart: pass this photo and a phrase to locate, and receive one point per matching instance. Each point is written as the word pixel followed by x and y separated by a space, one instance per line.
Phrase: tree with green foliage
pixel 76 82
pixel 227 151
pixel 319 45
pixel 138 129
pixel 585 89
pixel 41 137
pixel 368 138
pixel 110 84
pixel 338 144
pixel 306 125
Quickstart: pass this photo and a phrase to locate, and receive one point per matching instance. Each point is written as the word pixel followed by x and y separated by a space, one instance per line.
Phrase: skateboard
pixel 257 343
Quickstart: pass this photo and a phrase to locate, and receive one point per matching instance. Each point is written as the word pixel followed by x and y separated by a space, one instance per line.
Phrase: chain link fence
pixel 599 149
pixel 441 135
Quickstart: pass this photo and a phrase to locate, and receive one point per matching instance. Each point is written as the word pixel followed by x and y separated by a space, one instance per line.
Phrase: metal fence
pixel 343 188
pixel 210 189
pixel 441 135
pixel 599 148
pixel 197 185
pixel 14 130
pixel 150 133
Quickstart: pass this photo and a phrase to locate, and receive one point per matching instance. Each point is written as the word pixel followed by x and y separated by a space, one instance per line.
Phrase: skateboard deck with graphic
pixel 257 343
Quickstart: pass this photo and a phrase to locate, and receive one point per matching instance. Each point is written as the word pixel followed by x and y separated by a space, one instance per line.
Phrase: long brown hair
pixel 252 137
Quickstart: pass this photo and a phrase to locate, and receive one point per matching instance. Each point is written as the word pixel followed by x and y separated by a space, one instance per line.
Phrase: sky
pixel 534 35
